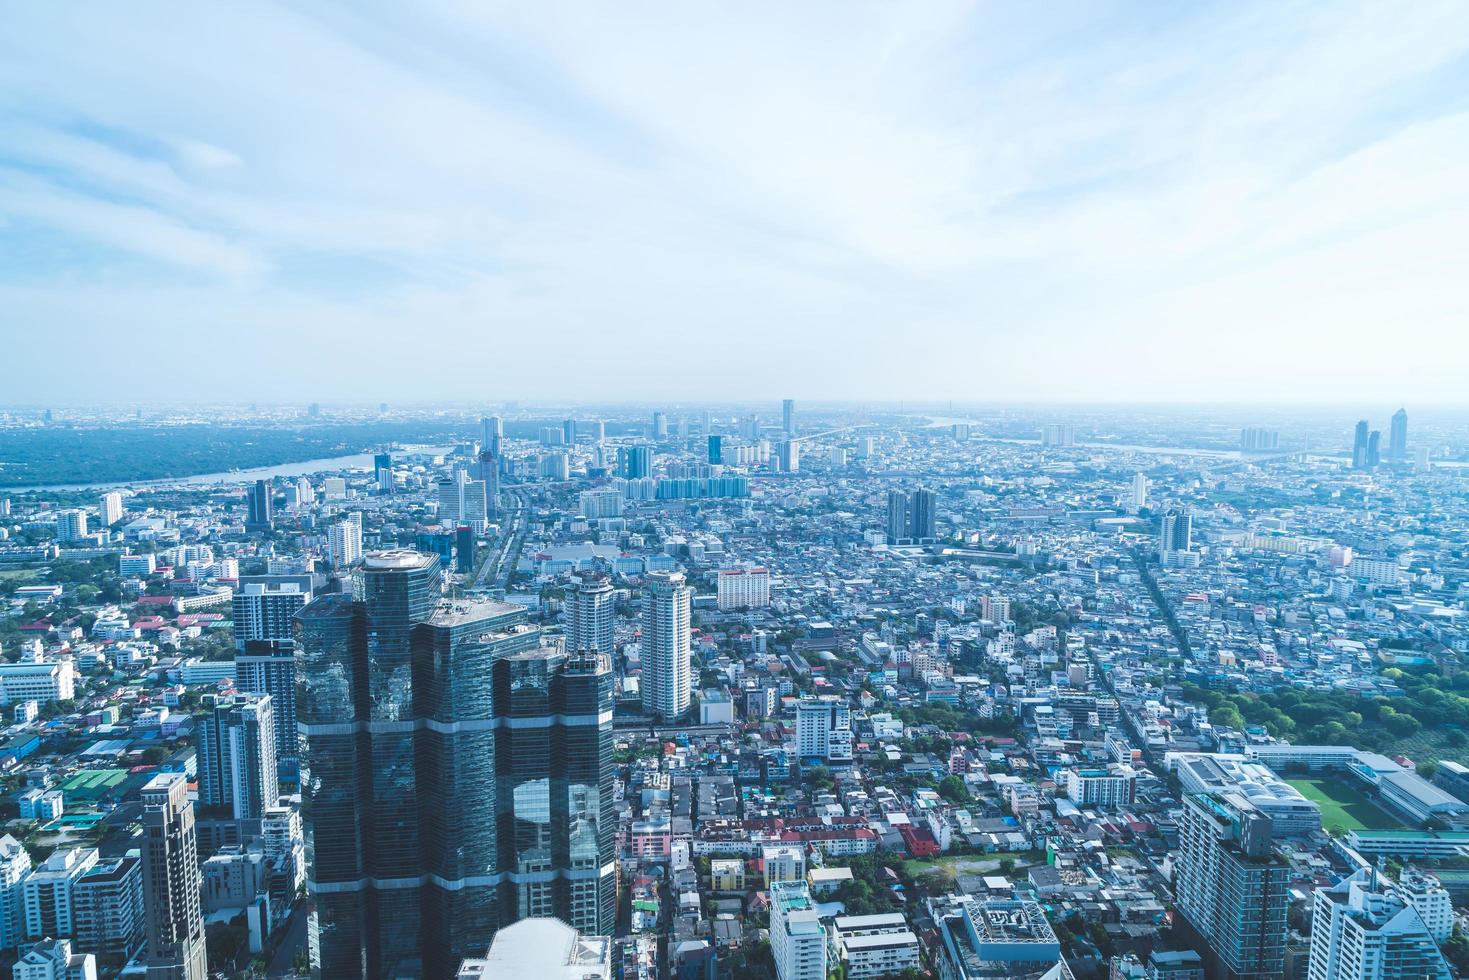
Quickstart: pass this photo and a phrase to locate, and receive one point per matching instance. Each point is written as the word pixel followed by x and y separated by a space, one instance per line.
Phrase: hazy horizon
pixel 1089 204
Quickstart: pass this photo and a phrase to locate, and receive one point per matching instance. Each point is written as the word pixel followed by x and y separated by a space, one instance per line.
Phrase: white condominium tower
pixel 590 616
pixel 1365 928
pixel 666 677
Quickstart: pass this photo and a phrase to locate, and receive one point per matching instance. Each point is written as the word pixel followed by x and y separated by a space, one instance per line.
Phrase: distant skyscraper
pixel 1258 440
pixel 1397 441
pixel 109 508
pixel 258 507
pixel 269 667
pixel 790 456
pixel 716 449
pixel 1374 449
pixel 492 435
pixel 591 613
pixel 1365 928
pixel 380 462
pixel 442 809
pixel 635 462
pixel 1359 446
pixel 568 432
pixel 911 517
pixel 667 681
pixel 237 754
pixel 1177 532
pixel 171 881
pixel 788 416
pixel 1139 498
pixel 660 426
pixel 1231 887
pixel 1058 435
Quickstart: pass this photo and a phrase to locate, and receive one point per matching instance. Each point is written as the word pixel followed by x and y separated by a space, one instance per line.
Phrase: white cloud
pixel 862 200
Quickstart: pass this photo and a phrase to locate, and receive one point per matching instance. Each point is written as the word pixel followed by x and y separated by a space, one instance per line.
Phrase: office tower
pixel 660 426
pixel 464 549
pixel 591 613
pixel 1359 446
pixel 1177 532
pixel 108 909
pixel 824 729
pixel 1139 498
pixel 71 525
pixel 171 881
pixel 1397 441
pixel 788 416
pixel 439 543
pixel 494 434
pixel 750 427
pixel 743 588
pixel 304 492
pixel 314 410
pixel 922 515
pixel 716 449
pixel 666 680
pixel 237 760
pixel 381 462
pixel 897 523
pixel 1374 449
pixel 797 937
pixel 258 504
pixel 568 432
pixel 268 666
pixel 1363 928
pixel 790 456
pixel 635 462
pixel 264 610
pixel 1058 435
pixel 1231 887
pixel 15 864
pixel 344 543
pixel 109 507
pixel 460 774
pixel 46 892
pixel 708 422
pixel 865 446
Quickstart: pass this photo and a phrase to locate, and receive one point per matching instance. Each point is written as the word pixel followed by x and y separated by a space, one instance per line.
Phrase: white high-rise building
pixel 47 890
pixel 305 494
pixel 344 543
pixel 1139 493
pixel 15 864
pixel 797 937
pixel 1426 894
pixel 667 680
pixel 743 588
pixel 109 508
pixel 1058 435
pixel 264 610
pixel 601 503
pixel 1364 928
pixel 824 728
pixel 36 679
pixel 71 525
pixel 590 616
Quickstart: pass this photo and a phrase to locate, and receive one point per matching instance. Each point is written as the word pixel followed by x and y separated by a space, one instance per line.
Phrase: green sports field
pixel 1344 806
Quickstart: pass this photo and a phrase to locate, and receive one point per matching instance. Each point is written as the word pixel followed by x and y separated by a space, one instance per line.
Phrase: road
pixel 497 568
pixel 282 964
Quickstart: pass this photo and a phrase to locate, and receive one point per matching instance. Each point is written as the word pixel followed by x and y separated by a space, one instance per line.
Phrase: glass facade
pixel 456 775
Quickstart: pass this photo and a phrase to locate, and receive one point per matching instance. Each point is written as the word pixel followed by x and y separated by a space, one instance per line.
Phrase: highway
pixel 497 568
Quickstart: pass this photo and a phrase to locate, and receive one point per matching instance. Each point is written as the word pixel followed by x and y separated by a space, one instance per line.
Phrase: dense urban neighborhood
pixel 743 691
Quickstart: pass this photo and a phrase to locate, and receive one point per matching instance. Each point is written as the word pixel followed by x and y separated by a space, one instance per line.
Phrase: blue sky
pixel 868 201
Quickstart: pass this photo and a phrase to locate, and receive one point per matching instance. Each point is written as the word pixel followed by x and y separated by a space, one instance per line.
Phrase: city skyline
pixel 1079 204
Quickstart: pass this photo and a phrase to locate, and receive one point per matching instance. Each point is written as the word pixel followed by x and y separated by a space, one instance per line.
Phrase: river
pixel 309 467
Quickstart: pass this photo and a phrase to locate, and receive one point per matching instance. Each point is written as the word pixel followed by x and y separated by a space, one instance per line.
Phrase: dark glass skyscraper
pixel 258 507
pixel 1397 437
pixel 453 772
